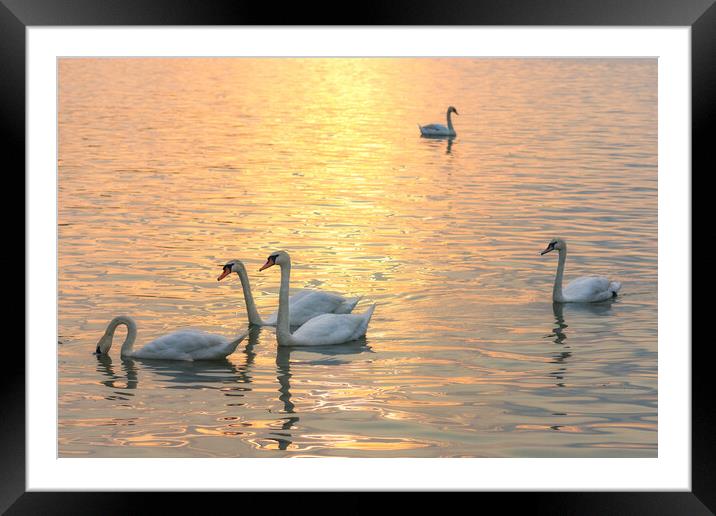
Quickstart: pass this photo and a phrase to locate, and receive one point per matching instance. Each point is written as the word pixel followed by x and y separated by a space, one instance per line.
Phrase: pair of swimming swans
pixel 303 305
pixel 322 330
pixel 334 325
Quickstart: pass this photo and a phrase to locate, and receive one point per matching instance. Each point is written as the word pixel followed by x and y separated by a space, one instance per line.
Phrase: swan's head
pixel 555 243
pixel 277 258
pixel 452 110
pixel 104 344
pixel 231 266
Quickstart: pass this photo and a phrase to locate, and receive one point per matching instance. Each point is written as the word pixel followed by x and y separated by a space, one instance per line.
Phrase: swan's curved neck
pixel 557 290
pixel 449 120
pixel 283 327
pixel 254 317
pixel 131 333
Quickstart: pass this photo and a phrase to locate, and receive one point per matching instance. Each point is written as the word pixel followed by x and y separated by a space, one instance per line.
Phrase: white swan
pixel 304 305
pixel 438 129
pixel 323 330
pixel 588 289
pixel 180 345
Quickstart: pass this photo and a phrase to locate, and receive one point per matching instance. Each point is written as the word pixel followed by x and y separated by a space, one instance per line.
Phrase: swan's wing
pixel 308 306
pixel 272 319
pixel 347 305
pixel 184 345
pixel 433 128
pixel 216 351
pixel 217 347
pixel 329 329
pixel 588 289
pixel 313 304
pixel 299 295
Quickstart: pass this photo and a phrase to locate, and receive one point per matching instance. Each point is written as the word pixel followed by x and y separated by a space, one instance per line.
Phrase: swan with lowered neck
pixel 587 289
pixel 304 305
pixel 180 345
pixel 438 129
pixel 323 330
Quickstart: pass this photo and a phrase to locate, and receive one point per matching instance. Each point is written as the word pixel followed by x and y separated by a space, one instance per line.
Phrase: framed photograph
pixel 386 203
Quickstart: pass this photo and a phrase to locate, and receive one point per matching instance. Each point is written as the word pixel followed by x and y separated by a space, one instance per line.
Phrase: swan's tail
pixel 348 305
pixel 421 128
pixel 366 318
pixel 614 287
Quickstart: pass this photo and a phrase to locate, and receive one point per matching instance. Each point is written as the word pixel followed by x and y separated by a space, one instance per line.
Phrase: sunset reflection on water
pixel 168 168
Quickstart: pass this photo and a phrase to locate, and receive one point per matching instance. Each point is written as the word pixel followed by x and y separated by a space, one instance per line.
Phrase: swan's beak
pixel 102 346
pixel 548 249
pixel 456 112
pixel 225 273
pixel 268 264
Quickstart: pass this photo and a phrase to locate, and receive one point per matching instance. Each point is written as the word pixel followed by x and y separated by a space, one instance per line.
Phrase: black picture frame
pixel 700 15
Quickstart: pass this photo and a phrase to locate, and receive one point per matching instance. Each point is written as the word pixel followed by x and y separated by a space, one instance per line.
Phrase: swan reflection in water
pixel 283 375
pixel 231 379
pixel 559 335
pixel 126 380
pixel 448 139
pixel 559 338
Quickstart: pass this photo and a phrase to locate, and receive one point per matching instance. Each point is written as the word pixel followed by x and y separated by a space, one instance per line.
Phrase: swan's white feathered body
pixel 438 129
pixel 435 130
pixel 307 304
pixel 323 330
pixel 187 345
pixel 304 305
pixel 587 289
pixel 180 345
pixel 590 289
pixel 330 329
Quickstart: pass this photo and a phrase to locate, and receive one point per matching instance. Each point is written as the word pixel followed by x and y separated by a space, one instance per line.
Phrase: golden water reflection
pixel 170 167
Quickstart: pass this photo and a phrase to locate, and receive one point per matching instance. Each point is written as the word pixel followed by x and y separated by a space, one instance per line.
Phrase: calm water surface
pixel 170 167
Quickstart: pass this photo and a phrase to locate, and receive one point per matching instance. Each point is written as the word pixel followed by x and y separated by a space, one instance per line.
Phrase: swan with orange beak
pixel 304 305
pixel 587 289
pixel 323 330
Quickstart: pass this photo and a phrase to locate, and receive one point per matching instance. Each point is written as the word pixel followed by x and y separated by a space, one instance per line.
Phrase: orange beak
pixel 269 263
pixel 226 272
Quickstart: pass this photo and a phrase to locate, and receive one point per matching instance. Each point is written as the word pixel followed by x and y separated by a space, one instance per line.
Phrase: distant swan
pixel 304 305
pixel 587 289
pixel 440 130
pixel 180 345
pixel 323 330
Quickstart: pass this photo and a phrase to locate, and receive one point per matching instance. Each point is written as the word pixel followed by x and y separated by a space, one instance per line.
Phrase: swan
pixel 304 305
pixel 322 330
pixel 587 289
pixel 180 345
pixel 440 130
